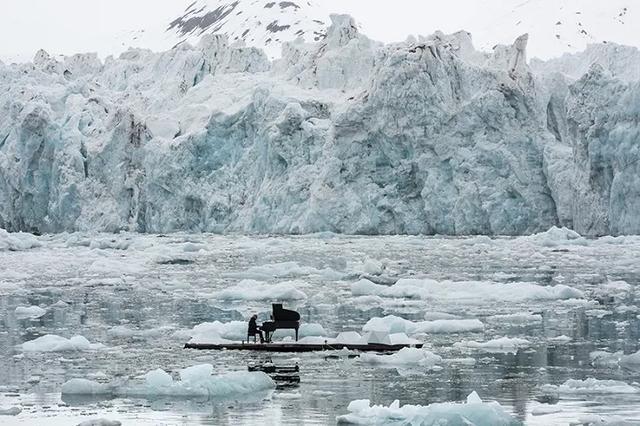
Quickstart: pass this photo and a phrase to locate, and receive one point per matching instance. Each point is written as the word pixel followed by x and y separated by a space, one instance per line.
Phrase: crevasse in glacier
pixel 346 135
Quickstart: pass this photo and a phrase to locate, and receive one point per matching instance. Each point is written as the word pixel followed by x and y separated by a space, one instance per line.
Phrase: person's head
pixel 254 316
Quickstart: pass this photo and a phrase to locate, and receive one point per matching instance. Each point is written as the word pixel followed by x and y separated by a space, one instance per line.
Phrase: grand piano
pixel 282 319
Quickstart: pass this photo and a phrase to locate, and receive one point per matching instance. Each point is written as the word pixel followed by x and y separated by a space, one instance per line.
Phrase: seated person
pixel 254 329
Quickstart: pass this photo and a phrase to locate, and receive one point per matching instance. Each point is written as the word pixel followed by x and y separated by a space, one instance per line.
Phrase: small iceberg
pixel 195 381
pixel 591 386
pixel 404 357
pixel 250 290
pixel 474 412
pixel 13 411
pixel 23 312
pixel 53 343
pixel 499 345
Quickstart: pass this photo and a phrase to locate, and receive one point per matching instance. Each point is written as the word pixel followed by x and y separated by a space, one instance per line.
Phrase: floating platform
pixel 296 347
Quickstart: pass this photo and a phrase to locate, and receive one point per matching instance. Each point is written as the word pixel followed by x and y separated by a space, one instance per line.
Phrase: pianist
pixel 254 329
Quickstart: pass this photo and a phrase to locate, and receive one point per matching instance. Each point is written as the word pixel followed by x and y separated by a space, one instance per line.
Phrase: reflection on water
pixel 156 299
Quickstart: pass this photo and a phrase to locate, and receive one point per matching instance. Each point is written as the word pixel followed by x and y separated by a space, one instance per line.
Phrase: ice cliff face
pixel 344 135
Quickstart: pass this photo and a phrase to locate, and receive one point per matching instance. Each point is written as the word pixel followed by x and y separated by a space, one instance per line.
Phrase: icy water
pixel 158 286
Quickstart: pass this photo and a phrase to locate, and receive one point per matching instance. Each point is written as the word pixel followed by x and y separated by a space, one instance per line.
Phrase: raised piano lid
pixel 281 314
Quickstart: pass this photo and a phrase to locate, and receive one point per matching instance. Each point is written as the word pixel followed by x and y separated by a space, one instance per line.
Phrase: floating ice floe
pixel 432 316
pixel 53 343
pixel 251 290
pixel 461 361
pixel 285 270
pixel 364 302
pixel 215 332
pixel 404 357
pixel 613 291
pixel 560 339
pixel 518 319
pixel 322 393
pixel 13 411
pixel 394 324
pixel 474 412
pixel 544 409
pixel 123 331
pixel 608 359
pixel 18 241
pixel 196 381
pixel 591 386
pixel 471 292
pixel 185 255
pixel 100 422
pixel 372 266
pixel 598 313
pixel 556 237
pixel 105 242
pixel 117 267
pixel 616 287
pixel 596 420
pixel 30 312
pixel 624 309
pixel 604 359
pixel 85 387
pixel 312 329
pixel 348 337
pixel 630 360
pixel 499 345
pixel 288 395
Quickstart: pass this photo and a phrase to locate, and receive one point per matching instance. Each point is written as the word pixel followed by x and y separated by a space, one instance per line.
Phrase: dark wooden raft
pixel 297 347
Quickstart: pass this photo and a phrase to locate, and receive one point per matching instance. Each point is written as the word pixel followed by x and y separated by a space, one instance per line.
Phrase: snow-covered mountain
pixel 260 23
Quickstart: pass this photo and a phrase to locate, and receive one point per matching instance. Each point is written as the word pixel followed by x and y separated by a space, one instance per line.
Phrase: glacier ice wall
pixel 345 135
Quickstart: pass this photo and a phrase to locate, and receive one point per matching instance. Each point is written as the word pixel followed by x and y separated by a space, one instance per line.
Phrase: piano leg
pixel 296 334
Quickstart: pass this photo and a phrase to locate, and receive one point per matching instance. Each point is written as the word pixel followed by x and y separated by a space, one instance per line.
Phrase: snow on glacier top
pixel 555 26
pixel 561 26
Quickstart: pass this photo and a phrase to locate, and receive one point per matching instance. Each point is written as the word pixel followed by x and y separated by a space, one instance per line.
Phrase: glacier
pixel 347 135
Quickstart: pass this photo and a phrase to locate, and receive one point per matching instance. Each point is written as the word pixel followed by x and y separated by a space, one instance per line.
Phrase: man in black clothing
pixel 254 329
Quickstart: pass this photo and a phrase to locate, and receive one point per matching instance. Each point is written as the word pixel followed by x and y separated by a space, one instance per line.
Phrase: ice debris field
pixel 537 330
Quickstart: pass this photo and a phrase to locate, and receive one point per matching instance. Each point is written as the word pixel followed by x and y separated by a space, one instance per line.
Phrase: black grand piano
pixel 281 319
